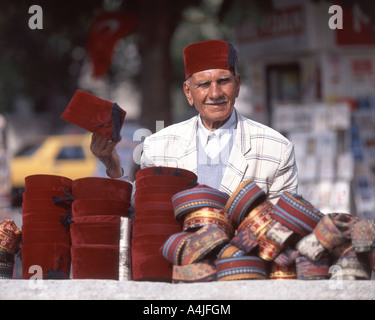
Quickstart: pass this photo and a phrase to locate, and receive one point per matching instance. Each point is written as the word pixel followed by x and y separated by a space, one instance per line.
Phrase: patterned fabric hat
pixel 258 219
pixel 312 270
pixel 283 272
pixel 208 240
pixel 172 248
pixel 196 198
pixel 245 198
pixel 230 251
pixel 363 235
pixel 310 247
pixel 286 257
pixel 10 237
pixel 245 240
pixel 209 216
pixel 334 229
pixel 280 234
pixel 240 268
pixel 95 115
pixel 294 212
pixel 268 249
pixel 196 272
pixel 352 265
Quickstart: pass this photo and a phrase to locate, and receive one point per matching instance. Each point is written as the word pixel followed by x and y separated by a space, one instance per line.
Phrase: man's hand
pixel 105 151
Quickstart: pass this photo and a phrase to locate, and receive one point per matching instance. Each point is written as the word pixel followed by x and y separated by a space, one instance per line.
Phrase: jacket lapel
pixel 237 164
pixel 189 157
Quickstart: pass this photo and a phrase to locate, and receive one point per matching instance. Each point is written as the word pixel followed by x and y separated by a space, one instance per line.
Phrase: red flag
pixel 107 29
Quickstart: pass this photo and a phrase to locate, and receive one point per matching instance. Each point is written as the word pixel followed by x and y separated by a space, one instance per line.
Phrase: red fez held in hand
pixel 206 55
pixel 95 115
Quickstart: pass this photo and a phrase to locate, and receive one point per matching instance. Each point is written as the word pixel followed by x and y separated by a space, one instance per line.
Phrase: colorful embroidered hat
pixel 334 229
pixel 196 272
pixel 312 270
pixel 310 247
pixel 212 54
pixel 245 240
pixel 363 235
pixel 196 198
pixel 283 272
pixel 245 198
pixel 240 268
pixel 230 251
pixel 294 212
pixel 172 248
pixel 208 216
pixel 95 115
pixel 205 242
pixel 10 236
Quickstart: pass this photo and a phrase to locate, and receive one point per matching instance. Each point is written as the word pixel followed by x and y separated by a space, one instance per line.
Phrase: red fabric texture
pixel 95 261
pixel 49 256
pixel 91 113
pixel 206 55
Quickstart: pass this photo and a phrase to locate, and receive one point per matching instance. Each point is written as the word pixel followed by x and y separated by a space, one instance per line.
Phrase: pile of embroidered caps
pixel 245 236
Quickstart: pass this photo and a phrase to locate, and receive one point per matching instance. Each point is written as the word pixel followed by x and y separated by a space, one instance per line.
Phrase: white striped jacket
pixel 259 153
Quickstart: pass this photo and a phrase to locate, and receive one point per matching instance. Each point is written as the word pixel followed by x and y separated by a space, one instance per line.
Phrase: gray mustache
pixel 216 102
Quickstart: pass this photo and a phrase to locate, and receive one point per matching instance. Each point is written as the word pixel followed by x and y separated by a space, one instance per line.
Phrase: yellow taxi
pixel 64 155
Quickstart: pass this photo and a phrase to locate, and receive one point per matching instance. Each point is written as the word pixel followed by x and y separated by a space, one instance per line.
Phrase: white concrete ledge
pixel 226 290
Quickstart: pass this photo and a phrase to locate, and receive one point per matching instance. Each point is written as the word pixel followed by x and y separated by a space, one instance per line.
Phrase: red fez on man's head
pixel 212 54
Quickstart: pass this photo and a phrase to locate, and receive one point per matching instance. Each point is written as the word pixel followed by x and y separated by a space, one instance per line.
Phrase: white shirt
pixel 215 140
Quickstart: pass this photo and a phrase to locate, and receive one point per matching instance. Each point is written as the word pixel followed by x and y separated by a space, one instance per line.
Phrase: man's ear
pixel 189 97
pixel 238 81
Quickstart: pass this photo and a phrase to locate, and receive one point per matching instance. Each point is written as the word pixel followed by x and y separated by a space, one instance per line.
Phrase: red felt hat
pixel 45 234
pixel 53 258
pixel 150 267
pixel 92 261
pixel 162 201
pixel 95 115
pixel 93 207
pixel 166 171
pixel 95 230
pixel 47 181
pixel 101 188
pixel 212 54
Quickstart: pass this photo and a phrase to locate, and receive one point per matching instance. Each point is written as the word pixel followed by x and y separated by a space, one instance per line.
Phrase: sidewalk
pixel 226 290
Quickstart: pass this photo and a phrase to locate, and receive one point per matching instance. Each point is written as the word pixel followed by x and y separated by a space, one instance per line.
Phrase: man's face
pixel 213 93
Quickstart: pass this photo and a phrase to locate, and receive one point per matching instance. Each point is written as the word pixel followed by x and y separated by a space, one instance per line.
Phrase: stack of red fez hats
pixel 10 240
pixel 99 204
pixel 154 219
pixel 45 228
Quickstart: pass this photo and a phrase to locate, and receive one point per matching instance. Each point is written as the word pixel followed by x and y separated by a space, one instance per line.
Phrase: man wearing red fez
pixel 220 145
